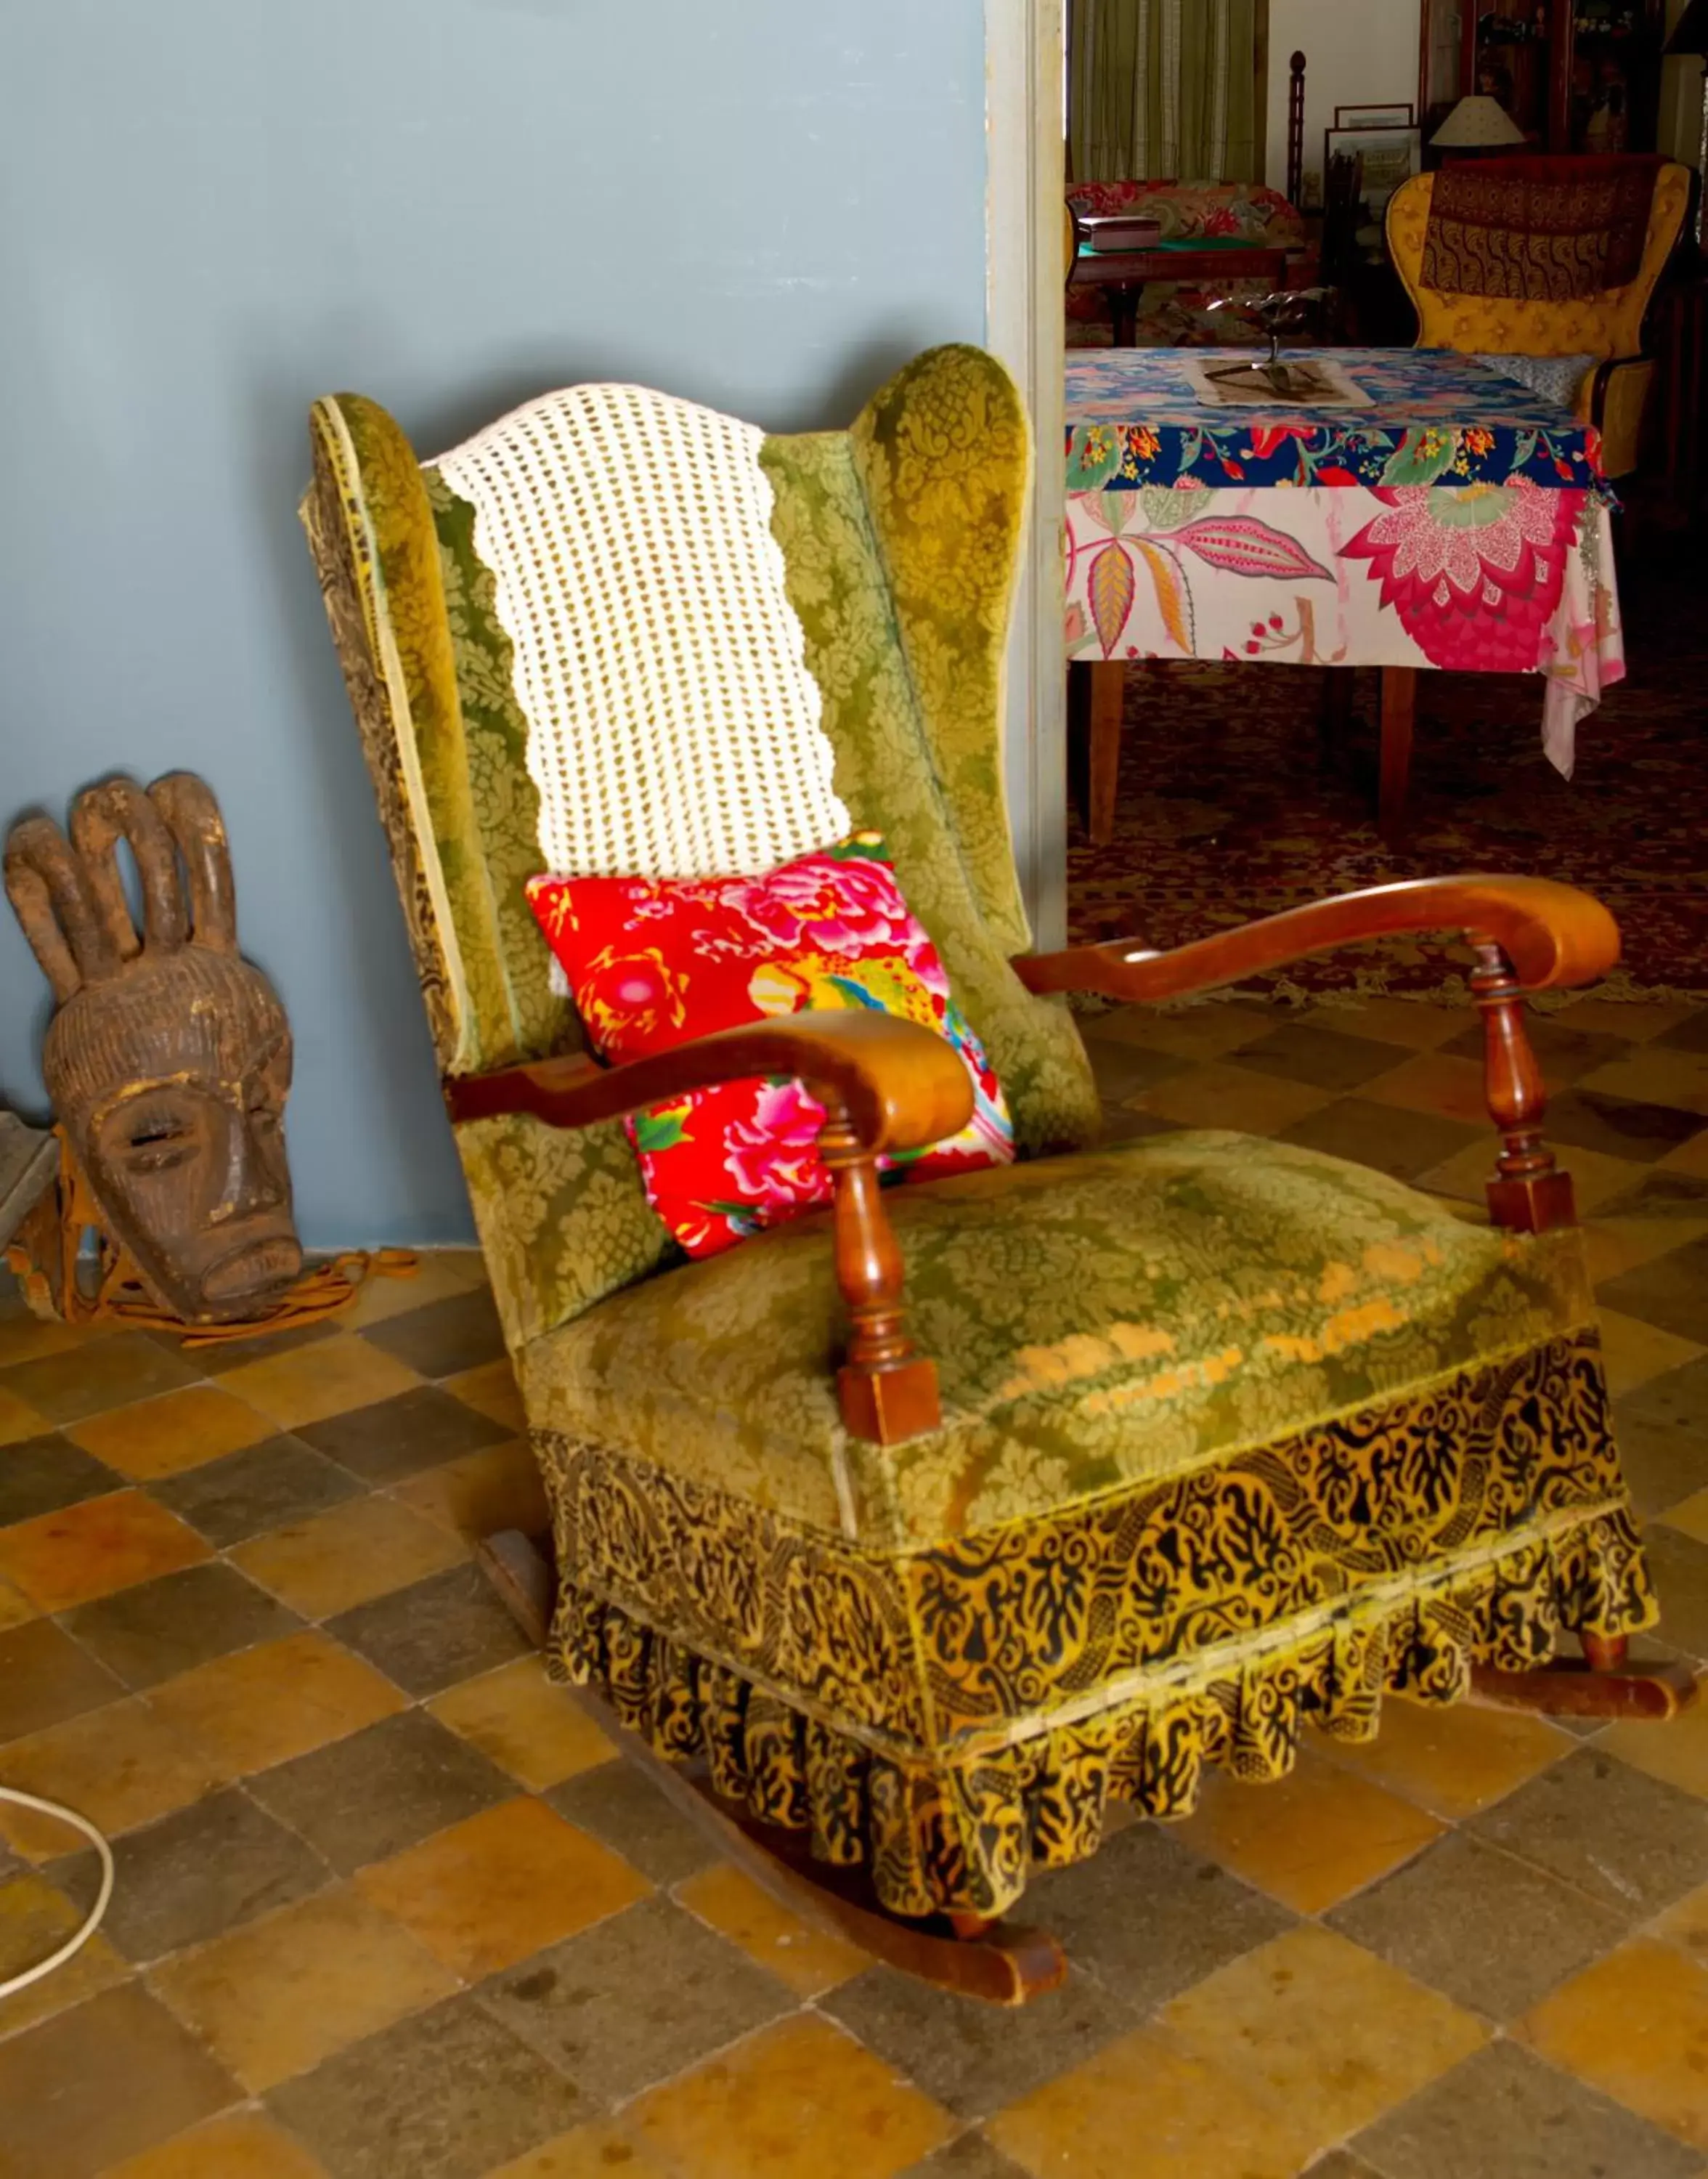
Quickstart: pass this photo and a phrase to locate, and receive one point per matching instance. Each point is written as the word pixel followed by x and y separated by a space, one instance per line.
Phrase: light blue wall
pixel 214 210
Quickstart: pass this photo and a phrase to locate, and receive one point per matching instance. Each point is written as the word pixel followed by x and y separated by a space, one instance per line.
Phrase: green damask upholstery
pixel 1234 1435
pixel 1100 1323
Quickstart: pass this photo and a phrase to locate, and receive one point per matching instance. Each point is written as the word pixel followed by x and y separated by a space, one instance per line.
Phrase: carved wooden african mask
pixel 169 1060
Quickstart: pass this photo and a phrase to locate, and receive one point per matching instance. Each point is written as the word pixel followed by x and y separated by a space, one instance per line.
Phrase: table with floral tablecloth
pixel 1452 520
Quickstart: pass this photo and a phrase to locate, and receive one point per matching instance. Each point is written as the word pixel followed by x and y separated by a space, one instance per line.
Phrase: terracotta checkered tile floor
pixel 388 1909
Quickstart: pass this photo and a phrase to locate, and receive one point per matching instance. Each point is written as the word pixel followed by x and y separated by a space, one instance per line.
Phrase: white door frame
pixel 1024 327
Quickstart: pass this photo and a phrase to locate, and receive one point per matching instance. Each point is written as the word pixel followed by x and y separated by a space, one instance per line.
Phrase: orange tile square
pixel 1635 1352
pixel 1225 1096
pixel 336 1559
pixel 1337 2034
pixel 1434 1082
pixel 808 1960
pixel 1596 1178
pixel 1453 1759
pixel 27 1337
pixel 1686 1924
pixel 796 2101
pixel 1677 1751
pixel 1691 1157
pixel 262 1706
pixel 491 1390
pixel 243 2145
pixel 14 1607
pixel 1635 2026
pixel 1655 1074
pixel 34 1921
pixel 501 1886
pixel 325 1377
pixel 278 1995
pixel 1148 2108
pixel 589 2152
pixel 1309 1839
pixel 120 1766
pixel 171 1433
pixel 18 1419
pixel 1692 1517
pixel 497 1488
pixel 94 1549
pixel 1613 1245
pixel 536 1731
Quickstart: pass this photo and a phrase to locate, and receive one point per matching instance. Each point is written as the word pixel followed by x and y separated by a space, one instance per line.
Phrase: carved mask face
pixel 169 1061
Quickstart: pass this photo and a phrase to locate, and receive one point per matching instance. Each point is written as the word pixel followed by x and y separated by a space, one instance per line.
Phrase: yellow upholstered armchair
pixel 914 1534
pixel 1522 261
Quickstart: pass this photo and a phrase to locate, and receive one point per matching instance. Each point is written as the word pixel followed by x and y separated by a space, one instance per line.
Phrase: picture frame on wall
pixel 1391 154
pixel 1395 116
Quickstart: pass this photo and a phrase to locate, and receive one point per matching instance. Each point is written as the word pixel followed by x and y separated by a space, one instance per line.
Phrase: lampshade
pixel 1477 122
pixel 1691 35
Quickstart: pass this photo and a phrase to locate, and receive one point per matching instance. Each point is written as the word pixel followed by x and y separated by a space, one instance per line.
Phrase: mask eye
pixel 158 1141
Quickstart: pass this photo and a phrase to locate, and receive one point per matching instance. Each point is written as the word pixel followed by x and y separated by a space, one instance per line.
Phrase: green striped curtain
pixel 1164 90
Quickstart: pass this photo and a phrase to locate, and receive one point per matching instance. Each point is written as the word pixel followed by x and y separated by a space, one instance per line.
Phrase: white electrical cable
pixel 80 1937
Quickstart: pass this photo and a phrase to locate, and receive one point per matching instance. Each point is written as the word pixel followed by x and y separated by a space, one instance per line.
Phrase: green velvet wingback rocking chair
pixel 915 1533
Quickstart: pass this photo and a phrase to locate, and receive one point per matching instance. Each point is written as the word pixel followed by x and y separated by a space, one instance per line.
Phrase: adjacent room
pixel 854 1091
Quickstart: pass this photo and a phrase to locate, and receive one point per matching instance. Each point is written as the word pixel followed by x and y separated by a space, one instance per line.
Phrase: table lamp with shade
pixel 1691 38
pixel 1481 123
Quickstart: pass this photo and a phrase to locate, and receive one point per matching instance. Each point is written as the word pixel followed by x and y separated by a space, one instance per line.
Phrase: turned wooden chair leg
pixel 998 1961
pixel 1399 725
pixel 1528 1192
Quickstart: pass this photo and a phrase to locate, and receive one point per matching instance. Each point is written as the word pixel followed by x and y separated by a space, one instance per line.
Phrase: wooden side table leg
pixel 1108 679
pixel 1398 721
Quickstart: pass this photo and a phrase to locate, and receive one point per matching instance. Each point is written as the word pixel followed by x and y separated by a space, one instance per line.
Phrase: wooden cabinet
pixel 1576 75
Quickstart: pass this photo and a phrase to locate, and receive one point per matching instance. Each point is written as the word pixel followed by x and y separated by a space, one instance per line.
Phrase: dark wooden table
pixel 1124 274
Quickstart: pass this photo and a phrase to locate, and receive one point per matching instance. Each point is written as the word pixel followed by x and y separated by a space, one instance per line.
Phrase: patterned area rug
pixel 1236 803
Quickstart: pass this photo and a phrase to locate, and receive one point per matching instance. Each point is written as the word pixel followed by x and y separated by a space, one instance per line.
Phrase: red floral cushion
pixel 654 963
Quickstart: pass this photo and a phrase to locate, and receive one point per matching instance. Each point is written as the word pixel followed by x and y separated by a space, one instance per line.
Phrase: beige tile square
pixel 1148 2108
pixel 1635 2026
pixel 1311 1839
pixel 1691 1157
pixel 1453 1760
pixel 1434 1082
pixel 536 1731
pixel 243 2145
pixel 14 1607
pixel 809 1960
pixel 491 1390
pixel 18 1419
pixel 385 1294
pixel 1692 1517
pixel 120 1766
pixel 265 1705
pixel 1223 1095
pixel 501 1887
pixel 35 1922
pixel 278 1995
pixel 590 2152
pixel 497 1488
pixel 1656 1074
pixel 1677 1751
pixel 1338 2035
pixel 1634 1352
pixel 176 1431
pixel 336 1559
pixel 95 1548
pixel 325 1377
pixel 796 2101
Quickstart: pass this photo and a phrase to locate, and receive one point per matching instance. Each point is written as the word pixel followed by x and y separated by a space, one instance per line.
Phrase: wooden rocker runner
pixel 899 1541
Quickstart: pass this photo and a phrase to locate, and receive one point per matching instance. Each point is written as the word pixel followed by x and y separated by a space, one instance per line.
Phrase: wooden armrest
pixel 885 1084
pixel 1551 934
pixel 899 1085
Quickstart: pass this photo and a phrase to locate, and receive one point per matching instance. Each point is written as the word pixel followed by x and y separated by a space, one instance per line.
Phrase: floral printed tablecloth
pixel 1460 522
